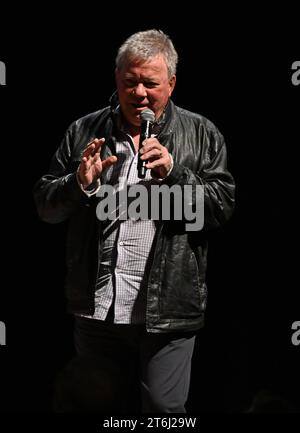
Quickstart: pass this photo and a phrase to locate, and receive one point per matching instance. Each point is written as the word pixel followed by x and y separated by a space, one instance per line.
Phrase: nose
pixel 140 90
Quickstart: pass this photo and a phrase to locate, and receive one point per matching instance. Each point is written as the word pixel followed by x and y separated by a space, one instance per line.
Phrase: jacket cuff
pixel 176 175
pixel 73 189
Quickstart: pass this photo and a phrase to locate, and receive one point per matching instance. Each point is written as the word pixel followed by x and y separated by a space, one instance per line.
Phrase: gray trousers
pixel 148 372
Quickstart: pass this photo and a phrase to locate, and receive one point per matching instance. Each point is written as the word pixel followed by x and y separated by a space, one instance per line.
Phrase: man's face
pixel 144 84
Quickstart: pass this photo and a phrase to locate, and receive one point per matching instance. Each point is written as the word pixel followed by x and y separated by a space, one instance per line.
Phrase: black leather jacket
pixel 177 292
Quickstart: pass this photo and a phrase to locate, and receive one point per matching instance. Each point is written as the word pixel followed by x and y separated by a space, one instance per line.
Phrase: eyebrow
pixel 134 78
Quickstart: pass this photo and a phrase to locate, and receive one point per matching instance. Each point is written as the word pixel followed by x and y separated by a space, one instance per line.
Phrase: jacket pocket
pixel 199 284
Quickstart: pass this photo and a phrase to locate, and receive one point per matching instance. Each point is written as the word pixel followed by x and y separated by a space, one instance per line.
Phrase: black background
pixel 234 68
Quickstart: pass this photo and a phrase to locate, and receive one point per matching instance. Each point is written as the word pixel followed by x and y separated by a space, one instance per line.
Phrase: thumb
pixel 109 161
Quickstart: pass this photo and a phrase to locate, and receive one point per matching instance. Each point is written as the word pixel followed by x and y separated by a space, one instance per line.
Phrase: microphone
pixel 147 118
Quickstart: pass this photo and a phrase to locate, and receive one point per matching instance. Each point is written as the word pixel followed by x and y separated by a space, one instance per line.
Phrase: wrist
pixel 171 166
pixel 89 189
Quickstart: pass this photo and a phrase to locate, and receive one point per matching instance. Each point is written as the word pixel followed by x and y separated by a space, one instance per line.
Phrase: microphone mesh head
pixel 147 115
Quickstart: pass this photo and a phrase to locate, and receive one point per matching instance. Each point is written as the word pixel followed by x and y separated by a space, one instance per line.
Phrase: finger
pixel 146 147
pixel 154 153
pixel 85 164
pixel 93 160
pixel 150 143
pixel 161 162
pixel 93 147
pixel 153 164
pixel 88 150
pixel 98 144
pixel 109 161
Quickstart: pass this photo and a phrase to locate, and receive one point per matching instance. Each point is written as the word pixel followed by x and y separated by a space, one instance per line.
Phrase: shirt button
pixel 121 243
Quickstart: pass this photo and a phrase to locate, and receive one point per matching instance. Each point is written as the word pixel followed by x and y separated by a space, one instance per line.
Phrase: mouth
pixel 140 107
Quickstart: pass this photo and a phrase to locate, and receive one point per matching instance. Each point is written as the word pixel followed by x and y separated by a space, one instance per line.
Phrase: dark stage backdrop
pixel 238 73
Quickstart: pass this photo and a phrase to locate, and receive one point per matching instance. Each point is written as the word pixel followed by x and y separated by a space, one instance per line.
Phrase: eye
pixel 130 83
pixel 150 85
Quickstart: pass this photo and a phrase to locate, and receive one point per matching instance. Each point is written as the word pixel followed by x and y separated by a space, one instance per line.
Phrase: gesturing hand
pixel 91 165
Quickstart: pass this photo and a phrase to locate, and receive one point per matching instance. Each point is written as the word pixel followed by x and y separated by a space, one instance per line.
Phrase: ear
pixel 172 83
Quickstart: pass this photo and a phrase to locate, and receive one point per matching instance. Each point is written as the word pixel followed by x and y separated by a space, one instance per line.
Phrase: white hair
pixel 146 44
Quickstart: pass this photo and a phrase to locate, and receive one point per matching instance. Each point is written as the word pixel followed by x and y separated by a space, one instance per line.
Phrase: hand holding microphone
pixel 147 118
pixel 152 155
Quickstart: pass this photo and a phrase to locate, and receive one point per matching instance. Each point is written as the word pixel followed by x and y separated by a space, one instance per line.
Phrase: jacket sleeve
pixel 57 194
pixel 213 175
